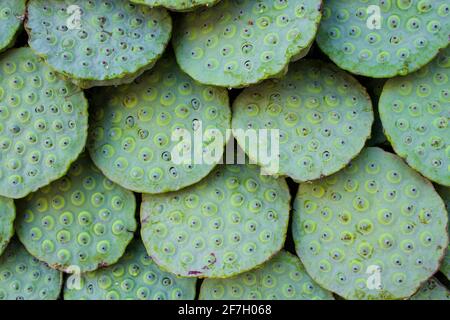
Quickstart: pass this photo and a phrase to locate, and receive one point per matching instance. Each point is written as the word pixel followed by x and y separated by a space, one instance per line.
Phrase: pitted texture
pixel 415 111
pixel 382 39
pixel 134 277
pixel 432 290
pixel 444 192
pixel 98 42
pixel 230 222
pixel 23 277
pixel 177 5
pixel 81 222
pixel 323 115
pixel 43 123
pixel 281 278
pixel 375 230
pixel 7 216
pixel 12 14
pixel 132 128
pixel 241 42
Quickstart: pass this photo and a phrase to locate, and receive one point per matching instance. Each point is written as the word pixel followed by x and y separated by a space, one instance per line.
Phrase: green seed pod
pixel 7 216
pixel 134 277
pixel 81 222
pixel 242 42
pixel 133 126
pixel 230 222
pixel 23 277
pixel 12 14
pixel 444 192
pixel 97 42
pixel 375 230
pixel 281 278
pixel 43 124
pixel 177 5
pixel 432 290
pixel 415 112
pixel 323 115
pixel 383 39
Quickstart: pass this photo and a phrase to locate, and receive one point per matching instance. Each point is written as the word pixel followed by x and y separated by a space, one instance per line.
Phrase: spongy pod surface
pixel 415 111
pixel 177 5
pixel 43 123
pixel 382 39
pixel 323 116
pixel 230 222
pixel 144 135
pixel 134 277
pixel 12 14
pixel 281 278
pixel 80 222
pixel 444 192
pixel 242 42
pixel 432 290
pixel 375 230
pixel 23 277
pixel 96 42
pixel 7 216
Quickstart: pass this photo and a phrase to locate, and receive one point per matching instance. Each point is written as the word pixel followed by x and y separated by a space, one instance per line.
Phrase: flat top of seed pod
pixel 383 39
pixel 230 222
pixel 81 222
pixel 432 290
pixel 43 123
pixel 98 42
pixel 12 13
pixel 177 5
pixel 444 192
pixel 241 42
pixel 7 216
pixel 281 278
pixel 134 277
pixel 414 111
pixel 132 130
pixel 23 277
pixel 375 230
pixel 323 115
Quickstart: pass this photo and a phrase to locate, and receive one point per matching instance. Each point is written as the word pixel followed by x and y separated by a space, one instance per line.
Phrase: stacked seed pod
pixel 135 162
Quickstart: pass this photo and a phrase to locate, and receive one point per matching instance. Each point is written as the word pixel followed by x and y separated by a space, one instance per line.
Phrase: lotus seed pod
pixel 230 222
pixel 177 5
pixel 382 39
pixel 242 42
pixel 7 216
pixel 23 277
pixel 43 124
pixel 415 111
pixel 323 115
pixel 133 129
pixel 134 277
pixel 97 42
pixel 78 223
pixel 374 88
pixel 444 192
pixel 432 290
pixel 375 230
pixel 12 13
pixel 281 278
